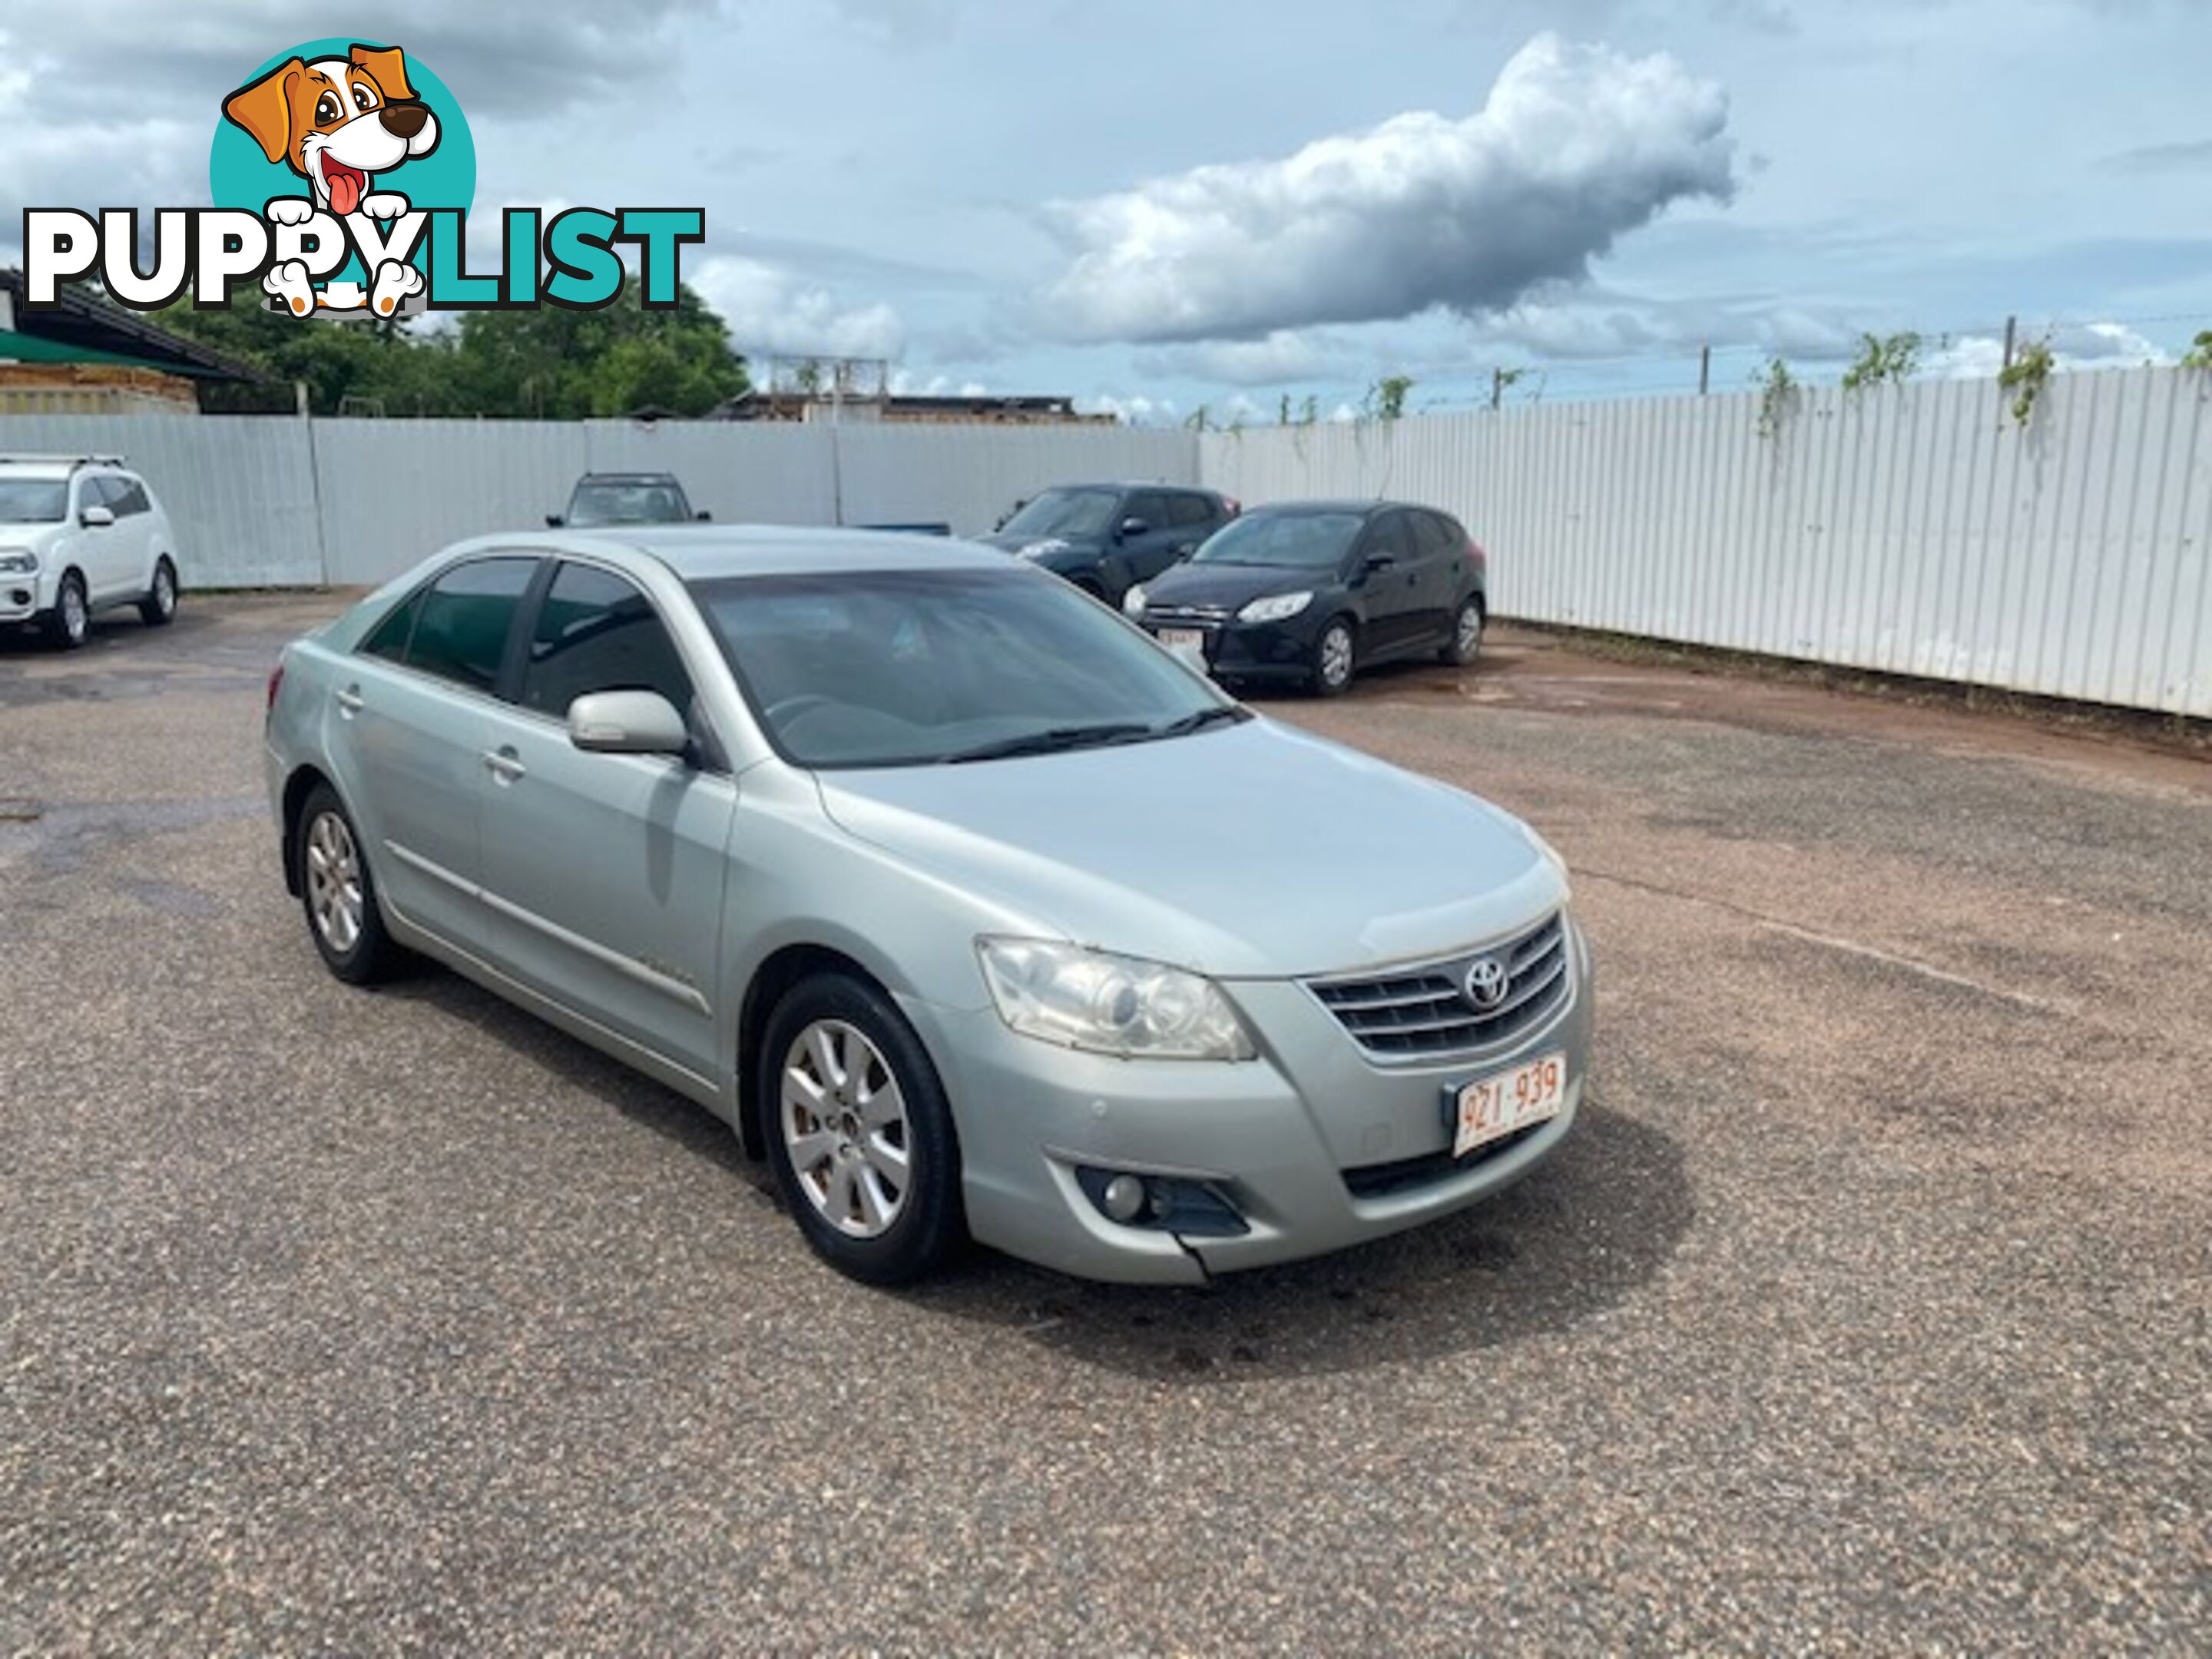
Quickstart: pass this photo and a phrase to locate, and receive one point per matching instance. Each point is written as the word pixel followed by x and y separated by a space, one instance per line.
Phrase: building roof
pixel 84 321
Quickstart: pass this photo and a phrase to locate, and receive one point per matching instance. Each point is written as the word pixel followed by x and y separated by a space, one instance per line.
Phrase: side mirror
pixel 704 516
pixel 95 517
pixel 1133 527
pixel 627 723
pixel 554 521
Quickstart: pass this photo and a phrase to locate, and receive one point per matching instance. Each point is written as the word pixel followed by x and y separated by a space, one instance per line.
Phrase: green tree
pixel 551 363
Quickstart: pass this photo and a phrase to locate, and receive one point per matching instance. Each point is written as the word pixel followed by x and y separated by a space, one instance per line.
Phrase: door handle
pixel 348 701
pixel 506 765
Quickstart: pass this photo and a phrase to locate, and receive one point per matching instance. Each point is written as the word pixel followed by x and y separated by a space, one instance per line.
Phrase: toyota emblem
pixel 1486 984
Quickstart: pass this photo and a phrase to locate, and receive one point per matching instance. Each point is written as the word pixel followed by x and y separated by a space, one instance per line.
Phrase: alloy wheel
pixel 1468 638
pixel 334 889
pixel 165 591
pixel 844 1125
pixel 77 621
pixel 1336 655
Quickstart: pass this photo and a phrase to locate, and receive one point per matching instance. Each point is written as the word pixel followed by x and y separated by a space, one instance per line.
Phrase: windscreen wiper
pixel 1052 741
pixel 1199 719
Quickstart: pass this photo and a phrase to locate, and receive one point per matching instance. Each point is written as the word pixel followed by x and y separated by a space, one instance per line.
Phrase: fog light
pixel 1124 1198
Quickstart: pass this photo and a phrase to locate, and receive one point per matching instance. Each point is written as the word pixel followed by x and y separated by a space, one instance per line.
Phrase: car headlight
pixel 1279 608
pixel 1132 601
pixel 16 562
pixel 1111 1005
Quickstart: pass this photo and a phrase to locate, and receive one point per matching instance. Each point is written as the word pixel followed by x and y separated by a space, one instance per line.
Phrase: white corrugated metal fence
pixel 1914 530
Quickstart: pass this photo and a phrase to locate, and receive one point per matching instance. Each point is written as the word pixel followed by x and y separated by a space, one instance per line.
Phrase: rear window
pixel 1191 509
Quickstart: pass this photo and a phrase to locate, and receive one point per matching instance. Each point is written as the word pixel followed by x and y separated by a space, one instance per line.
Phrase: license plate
pixel 1183 639
pixel 1490 1108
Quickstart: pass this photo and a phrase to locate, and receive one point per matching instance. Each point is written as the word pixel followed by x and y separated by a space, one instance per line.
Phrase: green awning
pixel 32 348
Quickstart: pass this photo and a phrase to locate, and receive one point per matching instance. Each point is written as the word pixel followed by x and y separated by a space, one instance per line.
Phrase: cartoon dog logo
pixel 337 122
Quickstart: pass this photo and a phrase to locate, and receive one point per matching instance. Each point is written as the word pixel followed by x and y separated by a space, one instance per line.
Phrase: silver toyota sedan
pixel 973 910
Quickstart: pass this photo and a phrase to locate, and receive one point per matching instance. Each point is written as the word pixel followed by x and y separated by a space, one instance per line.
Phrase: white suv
pixel 80 534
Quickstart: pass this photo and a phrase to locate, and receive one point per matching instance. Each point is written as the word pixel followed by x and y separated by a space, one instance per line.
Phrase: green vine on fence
pixel 1386 398
pixel 2199 355
pixel 1778 391
pixel 2024 377
pixel 1883 360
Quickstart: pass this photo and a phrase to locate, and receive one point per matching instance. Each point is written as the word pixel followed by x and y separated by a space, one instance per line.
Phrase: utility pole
pixel 1497 389
pixel 2011 323
pixel 1705 367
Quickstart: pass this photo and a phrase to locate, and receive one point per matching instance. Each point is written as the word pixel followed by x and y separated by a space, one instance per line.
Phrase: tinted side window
pixel 461 628
pixel 1191 509
pixel 1436 537
pixel 597 632
pixel 1149 505
pixel 90 492
pixel 1387 535
pixel 388 639
pixel 127 496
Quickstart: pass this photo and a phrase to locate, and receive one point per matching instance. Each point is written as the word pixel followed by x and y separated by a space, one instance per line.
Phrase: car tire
pixel 337 894
pixel 873 1183
pixel 159 608
pixel 1466 643
pixel 69 624
pixel 1334 658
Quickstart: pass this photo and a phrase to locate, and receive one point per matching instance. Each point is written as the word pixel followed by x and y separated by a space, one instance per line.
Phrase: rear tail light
pixel 275 684
pixel 1475 551
pixel 1234 507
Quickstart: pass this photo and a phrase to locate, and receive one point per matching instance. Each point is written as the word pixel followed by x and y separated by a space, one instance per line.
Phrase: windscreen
pixel 916 667
pixel 1294 541
pixel 33 501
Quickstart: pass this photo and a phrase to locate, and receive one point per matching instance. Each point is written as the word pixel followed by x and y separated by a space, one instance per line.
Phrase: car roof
pixel 1345 505
pixel 628 478
pixel 1138 483
pixel 699 552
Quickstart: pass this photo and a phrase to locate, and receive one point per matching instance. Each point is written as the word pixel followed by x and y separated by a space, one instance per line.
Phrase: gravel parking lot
pixel 1867 1309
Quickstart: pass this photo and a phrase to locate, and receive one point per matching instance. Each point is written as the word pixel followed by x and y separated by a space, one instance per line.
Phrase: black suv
pixel 1105 537
pixel 601 498
pixel 1308 590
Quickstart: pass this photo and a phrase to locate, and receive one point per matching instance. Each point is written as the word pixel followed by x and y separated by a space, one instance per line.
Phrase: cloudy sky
pixel 1155 206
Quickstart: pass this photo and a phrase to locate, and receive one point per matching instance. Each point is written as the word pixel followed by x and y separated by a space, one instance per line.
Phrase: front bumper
pixel 24 595
pixel 1317 1144
pixel 1235 650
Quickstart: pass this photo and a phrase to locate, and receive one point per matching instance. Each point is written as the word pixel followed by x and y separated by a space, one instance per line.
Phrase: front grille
pixel 1186 615
pixel 1426 1009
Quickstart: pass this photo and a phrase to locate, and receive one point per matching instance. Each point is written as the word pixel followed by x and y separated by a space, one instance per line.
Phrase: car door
pixel 1441 557
pixel 408 728
pixel 1389 588
pixel 134 521
pixel 603 873
pixel 95 549
pixel 1154 550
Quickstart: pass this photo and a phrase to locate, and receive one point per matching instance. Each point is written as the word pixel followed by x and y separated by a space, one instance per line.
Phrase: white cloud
pixel 1577 145
pixel 1135 410
pixel 773 311
pixel 2073 345
pixel 1276 358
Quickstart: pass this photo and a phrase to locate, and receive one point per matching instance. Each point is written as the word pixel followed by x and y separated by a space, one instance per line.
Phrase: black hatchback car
pixel 1103 537
pixel 1308 591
